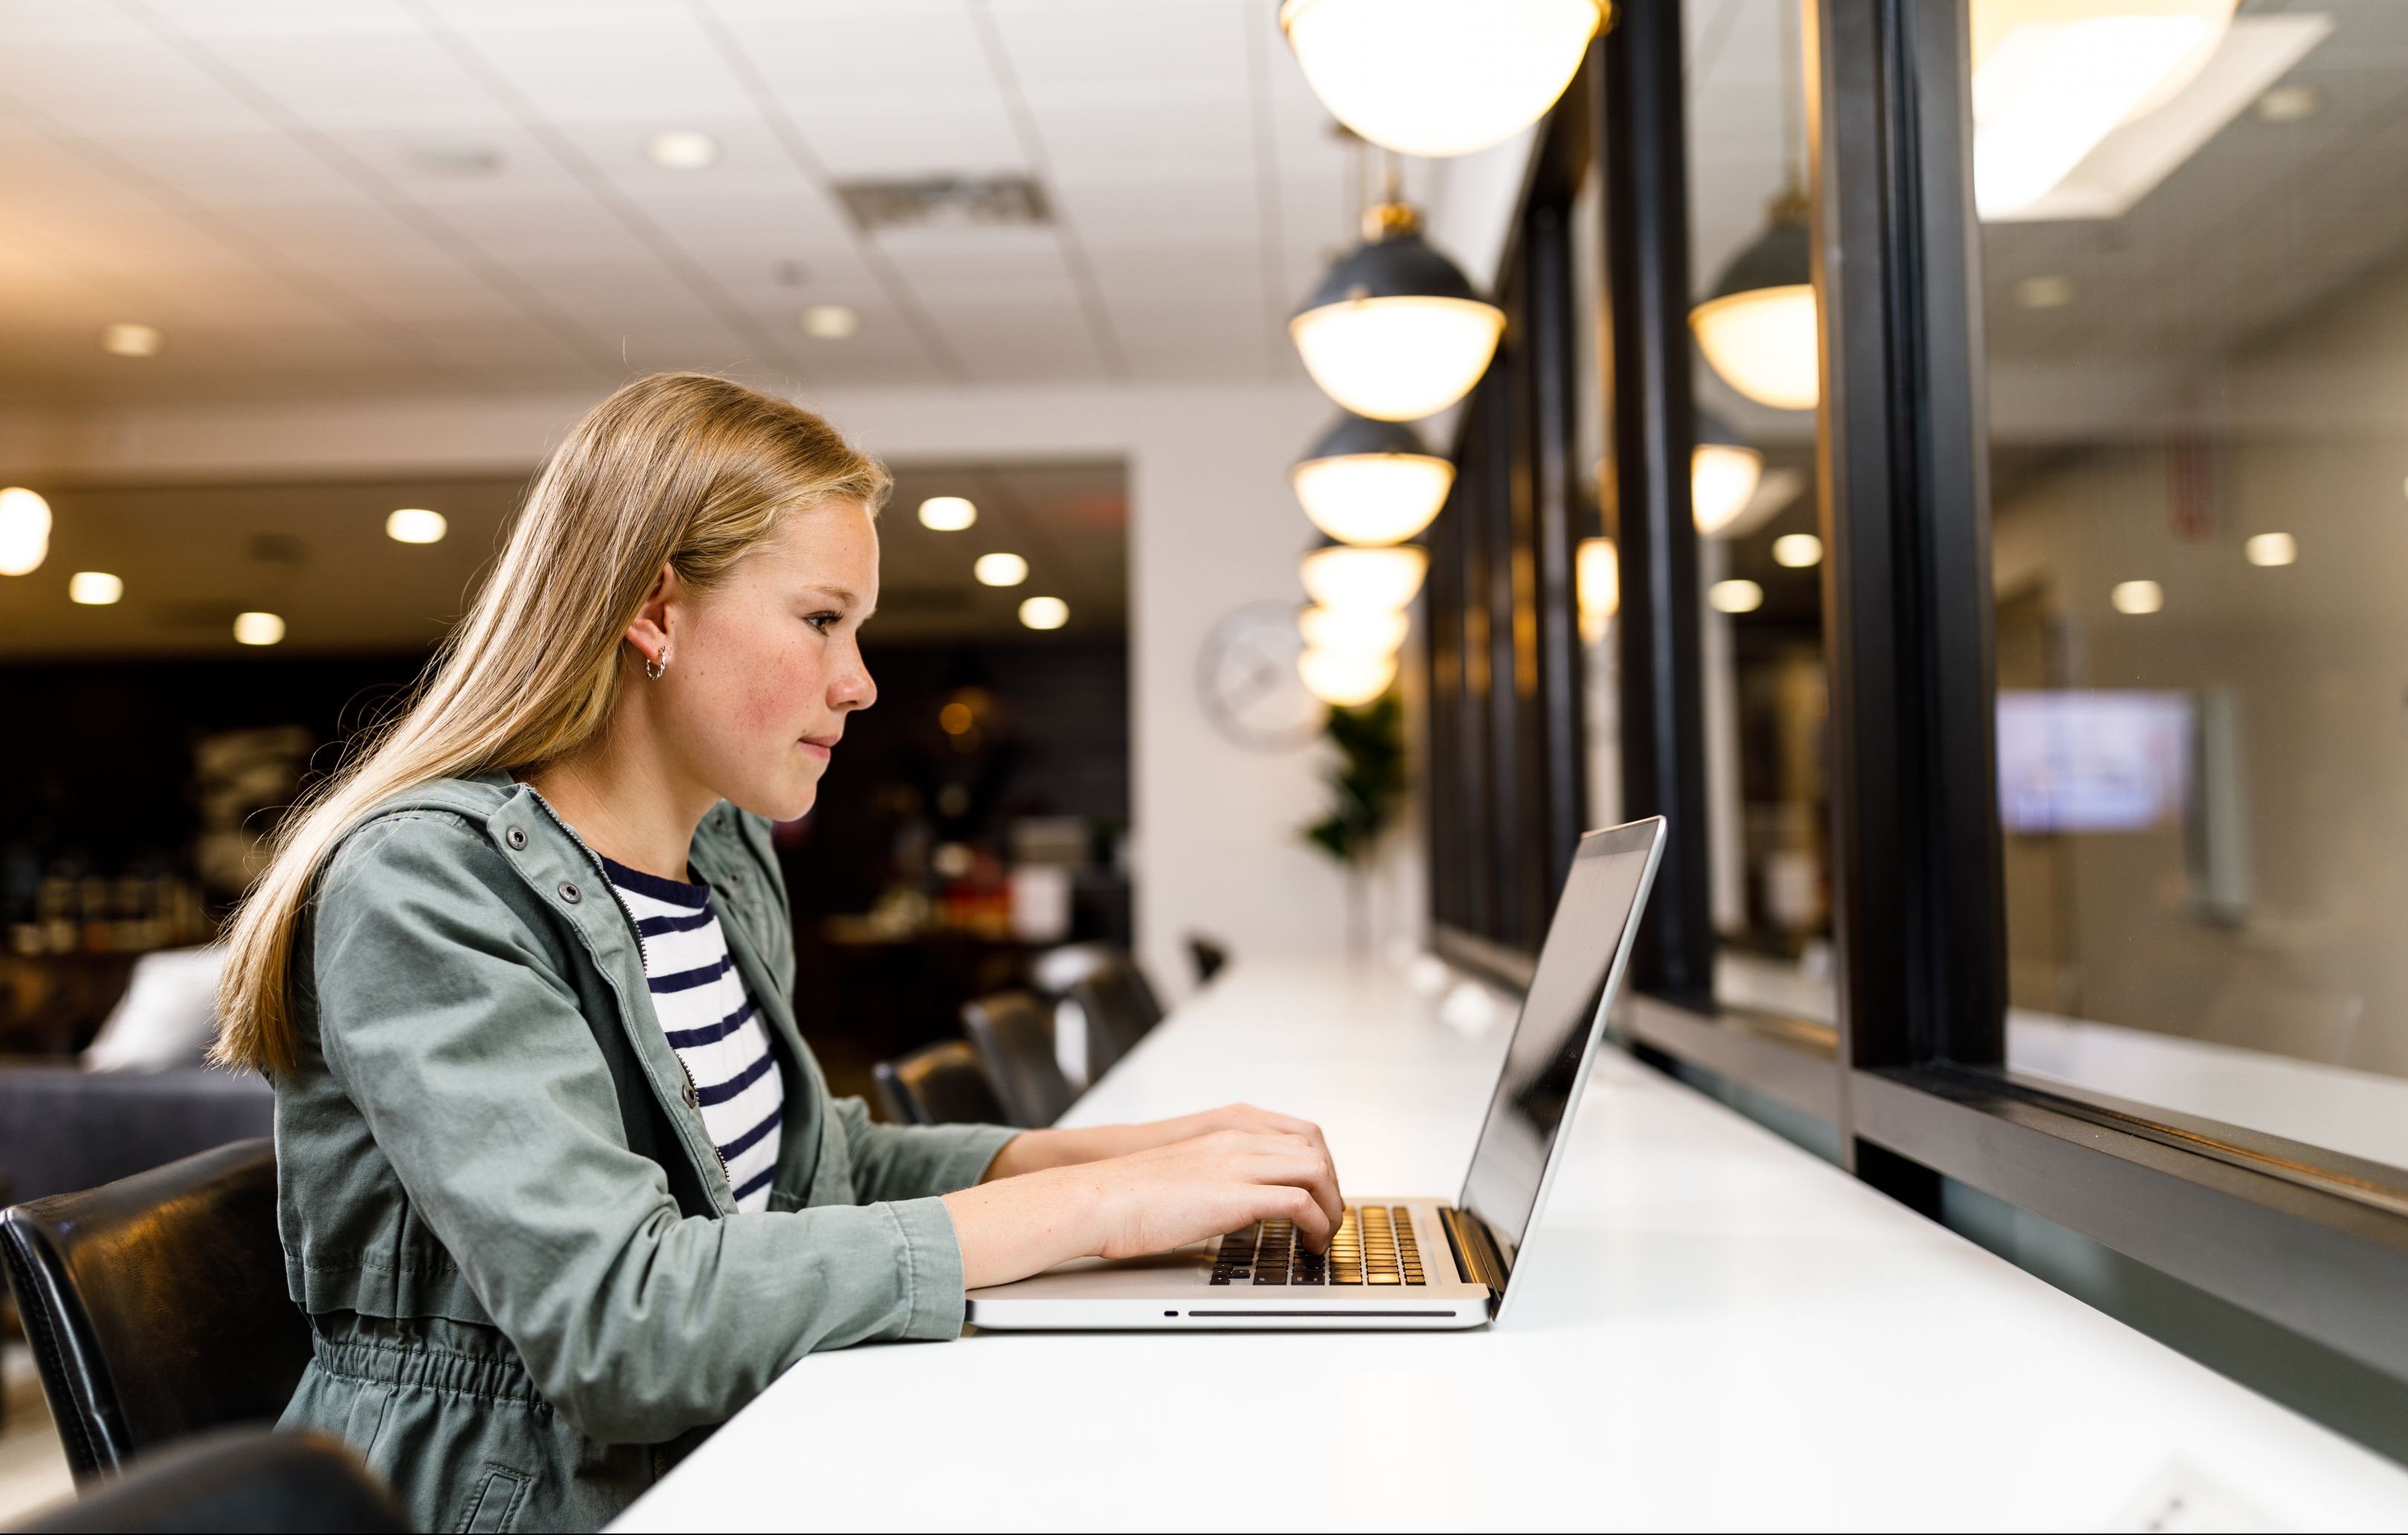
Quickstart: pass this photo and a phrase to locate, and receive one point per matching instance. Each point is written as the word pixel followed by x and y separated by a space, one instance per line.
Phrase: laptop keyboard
pixel 1374 1245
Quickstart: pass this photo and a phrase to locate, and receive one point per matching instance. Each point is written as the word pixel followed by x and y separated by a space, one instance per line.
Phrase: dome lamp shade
pixel 1723 473
pixel 1396 331
pixel 1345 678
pixel 1371 481
pixel 1439 78
pixel 1356 631
pixel 1348 576
pixel 24 531
pixel 1759 328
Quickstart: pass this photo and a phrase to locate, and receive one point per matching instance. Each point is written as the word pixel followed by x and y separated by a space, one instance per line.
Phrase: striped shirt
pixel 712 1023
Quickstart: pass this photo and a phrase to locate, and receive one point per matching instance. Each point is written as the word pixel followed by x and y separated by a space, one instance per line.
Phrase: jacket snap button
pixel 569 893
pixel 737 877
pixel 516 837
pixel 692 1098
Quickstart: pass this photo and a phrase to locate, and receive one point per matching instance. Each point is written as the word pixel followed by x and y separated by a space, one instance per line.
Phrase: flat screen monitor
pixel 2094 759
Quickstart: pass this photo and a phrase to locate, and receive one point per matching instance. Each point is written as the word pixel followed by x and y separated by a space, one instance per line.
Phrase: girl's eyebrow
pixel 844 599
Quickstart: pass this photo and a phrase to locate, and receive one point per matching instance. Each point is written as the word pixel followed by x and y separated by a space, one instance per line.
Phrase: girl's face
pixel 764 666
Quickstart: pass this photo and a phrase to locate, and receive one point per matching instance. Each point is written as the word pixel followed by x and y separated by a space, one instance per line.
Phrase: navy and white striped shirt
pixel 712 1022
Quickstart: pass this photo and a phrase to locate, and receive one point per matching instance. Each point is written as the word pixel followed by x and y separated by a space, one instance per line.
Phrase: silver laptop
pixel 1400 1262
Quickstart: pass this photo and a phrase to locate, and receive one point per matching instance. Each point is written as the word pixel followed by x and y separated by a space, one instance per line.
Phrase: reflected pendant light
pixel 1394 330
pixel 1757 328
pixel 1596 578
pixel 24 531
pixel 1349 576
pixel 1724 472
pixel 1371 481
pixel 1439 77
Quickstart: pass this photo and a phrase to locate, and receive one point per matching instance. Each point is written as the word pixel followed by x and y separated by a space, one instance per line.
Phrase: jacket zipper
pixel 644 959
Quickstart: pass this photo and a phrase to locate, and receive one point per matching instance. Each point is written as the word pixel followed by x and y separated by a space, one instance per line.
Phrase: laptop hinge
pixel 1475 1251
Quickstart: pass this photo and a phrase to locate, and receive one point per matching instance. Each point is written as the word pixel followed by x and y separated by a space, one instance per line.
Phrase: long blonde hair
pixel 679 470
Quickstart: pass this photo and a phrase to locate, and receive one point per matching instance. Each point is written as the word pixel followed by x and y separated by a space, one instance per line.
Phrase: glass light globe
pixel 1398 359
pixel 1736 596
pixel 1596 576
pixel 947 513
pixel 1372 498
pixel 415 525
pixel 1384 580
pixel 1722 481
pixel 24 531
pixel 94 588
pixel 1044 613
pixel 1353 631
pixel 1344 678
pixel 1438 77
pixel 999 569
pixel 258 628
pixel 1762 342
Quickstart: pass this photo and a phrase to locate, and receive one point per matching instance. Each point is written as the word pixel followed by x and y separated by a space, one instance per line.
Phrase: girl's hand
pixel 1147 1201
pixel 1037 1150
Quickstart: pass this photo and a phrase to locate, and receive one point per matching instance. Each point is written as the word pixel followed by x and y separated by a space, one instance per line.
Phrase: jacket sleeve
pixel 446 1020
pixel 912 1161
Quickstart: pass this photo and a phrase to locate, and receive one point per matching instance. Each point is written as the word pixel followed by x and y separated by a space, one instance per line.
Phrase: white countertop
pixel 1720 1330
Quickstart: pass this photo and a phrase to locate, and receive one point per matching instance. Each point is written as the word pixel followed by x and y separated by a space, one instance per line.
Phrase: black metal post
pixel 1642 135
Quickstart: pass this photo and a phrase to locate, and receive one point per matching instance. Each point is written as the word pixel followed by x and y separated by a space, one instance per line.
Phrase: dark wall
pixel 98 771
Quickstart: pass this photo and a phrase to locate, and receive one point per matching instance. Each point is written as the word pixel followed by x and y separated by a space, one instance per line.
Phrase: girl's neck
pixel 625 808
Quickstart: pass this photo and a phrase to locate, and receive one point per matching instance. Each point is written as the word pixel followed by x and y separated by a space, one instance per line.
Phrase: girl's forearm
pixel 1034 1151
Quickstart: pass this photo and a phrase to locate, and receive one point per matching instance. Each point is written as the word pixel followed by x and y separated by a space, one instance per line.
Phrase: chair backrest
pixel 235 1478
pixel 156 1305
pixel 1121 1010
pixel 1015 1042
pixel 943 1085
pixel 1207 956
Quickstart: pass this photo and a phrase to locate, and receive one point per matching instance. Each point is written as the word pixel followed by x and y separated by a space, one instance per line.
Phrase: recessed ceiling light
pixel 1001 570
pixel 682 148
pixel 1735 597
pixel 258 628
pixel 416 525
pixel 2289 103
pixel 947 513
pixel 128 339
pixel 2137 597
pixel 94 588
pixel 1796 551
pixel 24 531
pixel 2045 292
pixel 830 322
pixel 1044 613
pixel 2271 549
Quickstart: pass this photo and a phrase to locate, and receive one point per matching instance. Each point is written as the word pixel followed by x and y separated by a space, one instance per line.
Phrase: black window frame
pixel 1912 1076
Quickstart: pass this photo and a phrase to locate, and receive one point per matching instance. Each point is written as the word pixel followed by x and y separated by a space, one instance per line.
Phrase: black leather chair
pixel 235 1478
pixel 941 1084
pixel 1121 1010
pixel 1015 1042
pixel 1207 956
pixel 156 1304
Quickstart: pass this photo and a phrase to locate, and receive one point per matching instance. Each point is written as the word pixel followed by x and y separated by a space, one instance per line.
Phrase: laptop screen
pixel 1560 1016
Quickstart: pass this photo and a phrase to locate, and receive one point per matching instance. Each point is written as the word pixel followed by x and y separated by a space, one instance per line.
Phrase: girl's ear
pixel 649 630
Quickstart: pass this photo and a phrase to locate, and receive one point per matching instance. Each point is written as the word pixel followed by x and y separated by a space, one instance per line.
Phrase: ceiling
pixel 192 556
pixel 288 190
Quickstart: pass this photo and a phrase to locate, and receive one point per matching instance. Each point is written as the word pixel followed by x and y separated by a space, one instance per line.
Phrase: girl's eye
pixel 824 622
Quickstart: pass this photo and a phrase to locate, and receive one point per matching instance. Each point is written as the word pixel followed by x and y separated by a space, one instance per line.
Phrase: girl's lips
pixel 821 745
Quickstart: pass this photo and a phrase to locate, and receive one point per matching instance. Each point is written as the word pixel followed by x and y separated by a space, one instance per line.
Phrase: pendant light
pixel 24 531
pixel 1724 472
pixel 1395 331
pixel 1349 576
pixel 1757 327
pixel 1441 78
pixel 1356 631
pixel 1346 679
pixel 1371 481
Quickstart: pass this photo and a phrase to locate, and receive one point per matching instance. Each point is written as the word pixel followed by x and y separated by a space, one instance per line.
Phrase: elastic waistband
pixel 410 1361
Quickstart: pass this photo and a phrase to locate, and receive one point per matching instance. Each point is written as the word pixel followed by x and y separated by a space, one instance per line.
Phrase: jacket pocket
pixel 495 1504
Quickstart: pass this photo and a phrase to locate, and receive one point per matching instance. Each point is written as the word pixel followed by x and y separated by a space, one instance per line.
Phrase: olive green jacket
pixel 529 1285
